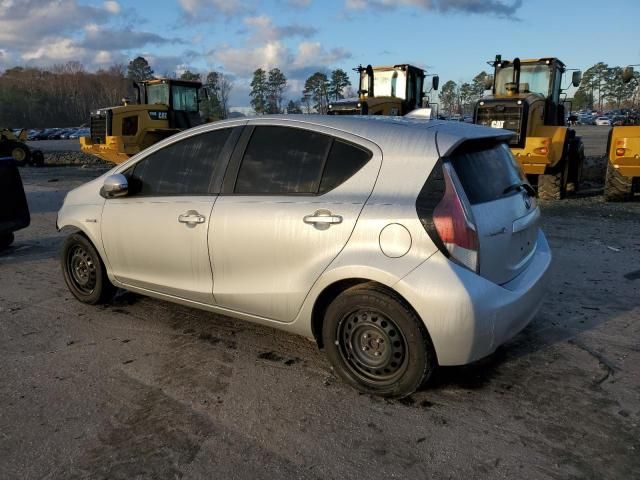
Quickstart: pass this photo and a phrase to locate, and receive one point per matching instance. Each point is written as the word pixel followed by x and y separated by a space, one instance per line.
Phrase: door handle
pixel 191 218
pixel 322 219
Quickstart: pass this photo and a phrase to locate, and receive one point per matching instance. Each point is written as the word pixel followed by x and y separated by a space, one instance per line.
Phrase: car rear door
pixel 503 205
pixel 291 199
pixel 156 237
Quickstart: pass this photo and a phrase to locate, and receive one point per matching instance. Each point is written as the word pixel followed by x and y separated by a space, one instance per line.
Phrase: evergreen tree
pixel 259 91
pixel 139 70
pixel 339 81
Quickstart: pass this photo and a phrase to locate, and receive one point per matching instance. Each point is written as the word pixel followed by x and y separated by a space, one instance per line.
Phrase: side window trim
pixel 233 167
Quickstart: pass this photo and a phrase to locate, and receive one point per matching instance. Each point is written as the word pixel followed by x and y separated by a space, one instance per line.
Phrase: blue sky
pixel 453 38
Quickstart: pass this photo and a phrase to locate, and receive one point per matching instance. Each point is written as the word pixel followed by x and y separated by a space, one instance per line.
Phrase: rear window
pixel 487 173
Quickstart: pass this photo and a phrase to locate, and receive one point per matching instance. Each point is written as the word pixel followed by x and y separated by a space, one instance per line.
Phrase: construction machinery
pixel 623 168
pixel 526 98
pixel 163 107
pixel 386 90
pixel 12 145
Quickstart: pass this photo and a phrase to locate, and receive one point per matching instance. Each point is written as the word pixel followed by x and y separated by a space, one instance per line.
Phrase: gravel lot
pixel 146 389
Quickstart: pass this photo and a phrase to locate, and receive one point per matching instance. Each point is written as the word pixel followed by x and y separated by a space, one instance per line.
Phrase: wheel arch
pixel 331 292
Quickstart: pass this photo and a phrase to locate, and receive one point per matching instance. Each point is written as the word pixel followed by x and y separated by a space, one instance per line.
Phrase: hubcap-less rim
pixel 18 154
pixel 373 346
pixel 82 269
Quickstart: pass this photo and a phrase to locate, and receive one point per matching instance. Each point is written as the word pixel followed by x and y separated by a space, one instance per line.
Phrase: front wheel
pixel 553 185
pixel 83 270
pixel 377 343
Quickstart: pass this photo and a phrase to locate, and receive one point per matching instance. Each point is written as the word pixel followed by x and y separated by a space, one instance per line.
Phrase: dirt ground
pixel 146 389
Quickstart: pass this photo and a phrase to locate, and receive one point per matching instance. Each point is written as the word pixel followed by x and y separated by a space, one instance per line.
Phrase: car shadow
pixel 24 251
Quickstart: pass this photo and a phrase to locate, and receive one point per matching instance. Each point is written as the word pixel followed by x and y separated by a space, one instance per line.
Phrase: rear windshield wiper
pixel 520 186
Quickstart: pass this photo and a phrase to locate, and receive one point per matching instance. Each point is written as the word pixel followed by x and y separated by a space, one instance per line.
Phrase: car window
pixel 193 166
pixel 283 160
pixel 487 174
pixel 344 160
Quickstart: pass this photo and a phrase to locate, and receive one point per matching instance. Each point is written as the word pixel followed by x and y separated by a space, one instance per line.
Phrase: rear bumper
pixel 467 316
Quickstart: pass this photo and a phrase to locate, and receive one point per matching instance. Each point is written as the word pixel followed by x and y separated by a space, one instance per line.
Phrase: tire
pixel 19 152
pixel 83 270
pixel 6 239
pixel 377 343
pixel 617 187
pixel 553 185
pixel 37 158
pixel 576 166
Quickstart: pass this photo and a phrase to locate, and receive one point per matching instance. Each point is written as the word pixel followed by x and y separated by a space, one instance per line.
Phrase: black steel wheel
pixel 376 342
pixel 373 346
pixel 83 270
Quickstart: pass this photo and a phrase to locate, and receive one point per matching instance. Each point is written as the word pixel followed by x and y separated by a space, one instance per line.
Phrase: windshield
pixel 184 98
pixel 386 83
pixel 533 79
pixel 158 93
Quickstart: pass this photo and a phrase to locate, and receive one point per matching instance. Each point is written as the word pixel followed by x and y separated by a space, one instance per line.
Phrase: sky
pixel 451 38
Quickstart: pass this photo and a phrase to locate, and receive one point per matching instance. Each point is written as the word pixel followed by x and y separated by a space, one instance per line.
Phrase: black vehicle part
pixel 14 210
pixel 376 342
pixel 84 272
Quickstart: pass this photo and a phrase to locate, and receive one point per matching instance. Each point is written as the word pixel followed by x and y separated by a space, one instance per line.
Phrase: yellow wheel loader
pixel 623 168
pixel 163 107
pixel 526 98
pixel 12 145
pixel 390 90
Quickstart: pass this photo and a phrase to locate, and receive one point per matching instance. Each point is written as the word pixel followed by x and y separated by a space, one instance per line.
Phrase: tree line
pixel 268 88
pixel 63 95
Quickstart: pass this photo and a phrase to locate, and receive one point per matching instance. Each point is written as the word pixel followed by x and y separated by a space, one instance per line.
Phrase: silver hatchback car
pixel 396 244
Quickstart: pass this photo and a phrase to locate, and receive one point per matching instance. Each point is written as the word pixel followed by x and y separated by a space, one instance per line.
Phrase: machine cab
pixel 180 96
pixel 404 82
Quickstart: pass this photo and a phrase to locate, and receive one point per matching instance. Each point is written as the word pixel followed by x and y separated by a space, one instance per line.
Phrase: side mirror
pixel 435 82
pixel 576 78
pixel 627 74
pixel 488 82
pixel 114 186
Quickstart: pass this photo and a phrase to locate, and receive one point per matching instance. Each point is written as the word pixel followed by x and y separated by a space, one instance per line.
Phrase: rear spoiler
pixel 449 137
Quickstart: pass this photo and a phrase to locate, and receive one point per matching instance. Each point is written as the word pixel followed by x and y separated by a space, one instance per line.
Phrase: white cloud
pixel 59 50
pixel 112 7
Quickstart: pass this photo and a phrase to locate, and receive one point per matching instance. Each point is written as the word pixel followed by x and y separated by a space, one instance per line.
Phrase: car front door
pixel 289 204
pixel 155 238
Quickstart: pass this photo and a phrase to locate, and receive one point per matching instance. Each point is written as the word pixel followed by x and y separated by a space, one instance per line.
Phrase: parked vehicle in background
pixel 80 132
pixel 623 168
pixel 526 99
pixel 396 247
pixel 603 121
pixel 14 211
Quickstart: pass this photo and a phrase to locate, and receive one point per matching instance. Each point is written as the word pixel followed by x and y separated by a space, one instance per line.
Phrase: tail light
pixel 447 218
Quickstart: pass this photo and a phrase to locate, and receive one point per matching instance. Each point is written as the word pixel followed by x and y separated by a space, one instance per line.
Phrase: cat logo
pixel 497 123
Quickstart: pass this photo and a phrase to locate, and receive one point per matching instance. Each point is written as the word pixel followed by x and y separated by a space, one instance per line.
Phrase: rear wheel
pixel 617 187
pixel 377 343
pixel 83 270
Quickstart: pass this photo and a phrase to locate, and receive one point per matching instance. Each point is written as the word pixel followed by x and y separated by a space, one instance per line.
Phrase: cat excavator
pixel 385 90
pixel 163 107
